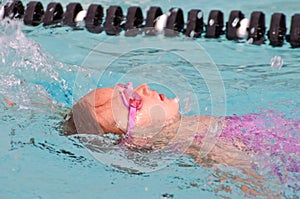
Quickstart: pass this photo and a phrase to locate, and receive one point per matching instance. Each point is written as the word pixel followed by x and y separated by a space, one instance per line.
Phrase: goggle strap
pixel 125 102
pixel 131 121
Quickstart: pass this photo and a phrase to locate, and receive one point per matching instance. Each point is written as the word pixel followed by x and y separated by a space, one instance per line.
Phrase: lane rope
pixel 170 24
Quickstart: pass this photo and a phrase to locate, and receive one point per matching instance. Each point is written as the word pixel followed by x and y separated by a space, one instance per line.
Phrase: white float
pixel 242 31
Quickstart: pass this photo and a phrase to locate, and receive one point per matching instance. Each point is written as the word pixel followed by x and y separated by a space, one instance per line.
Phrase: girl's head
pixel 105 108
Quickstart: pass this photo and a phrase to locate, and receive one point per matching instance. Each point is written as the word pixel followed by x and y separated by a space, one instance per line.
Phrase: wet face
pixel 156 109
pixel 106 107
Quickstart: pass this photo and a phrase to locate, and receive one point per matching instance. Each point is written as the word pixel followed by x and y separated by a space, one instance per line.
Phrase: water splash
pixel 26 68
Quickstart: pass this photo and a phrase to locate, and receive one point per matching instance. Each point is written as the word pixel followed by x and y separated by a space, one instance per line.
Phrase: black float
pixel 233 24
pixel 194 24
pixel 33 13
pixel 114 17
pixel 134 21
pixel 152 14
pixel 14 10
pixel 53 14
pixel 257 28
pixel 277 30
pixel 94 18
pixel 294 37
pixel 175 22
pixel 71 12
pixel 215 24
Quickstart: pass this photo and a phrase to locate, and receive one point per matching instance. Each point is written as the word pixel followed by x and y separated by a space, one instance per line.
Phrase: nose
pixel 143 89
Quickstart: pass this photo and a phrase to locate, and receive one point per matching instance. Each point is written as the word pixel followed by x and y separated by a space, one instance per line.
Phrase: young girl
pixel 145 119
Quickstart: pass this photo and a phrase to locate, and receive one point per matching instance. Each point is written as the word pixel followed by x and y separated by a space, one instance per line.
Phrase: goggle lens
pixel 133 102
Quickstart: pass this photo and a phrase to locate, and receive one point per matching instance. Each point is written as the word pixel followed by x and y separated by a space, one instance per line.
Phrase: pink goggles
pixel 133 102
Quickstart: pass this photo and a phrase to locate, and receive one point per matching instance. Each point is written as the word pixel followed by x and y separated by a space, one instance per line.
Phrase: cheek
pixel 156 114
pixel 142 117
pixel 151 114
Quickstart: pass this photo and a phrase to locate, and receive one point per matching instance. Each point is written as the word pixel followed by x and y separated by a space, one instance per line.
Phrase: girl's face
pixel 110 112
pixel 156 109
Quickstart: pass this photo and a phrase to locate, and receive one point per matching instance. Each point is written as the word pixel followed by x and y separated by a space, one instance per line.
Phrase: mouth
pixel 162 97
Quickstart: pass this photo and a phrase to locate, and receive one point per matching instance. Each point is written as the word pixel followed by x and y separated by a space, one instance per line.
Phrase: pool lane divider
pixel 170 24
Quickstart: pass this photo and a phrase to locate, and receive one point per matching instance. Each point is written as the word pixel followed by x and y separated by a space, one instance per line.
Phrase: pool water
pixel 43 71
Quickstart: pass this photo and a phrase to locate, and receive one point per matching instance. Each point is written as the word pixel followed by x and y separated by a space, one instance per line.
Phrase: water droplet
pixel 16 169
pixel 250 41
pixel 192 34
pixel 235 22
pixel 199 15
pixel 276 62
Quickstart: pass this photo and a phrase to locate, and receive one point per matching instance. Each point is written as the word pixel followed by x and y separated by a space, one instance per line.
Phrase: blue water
pixel 43 71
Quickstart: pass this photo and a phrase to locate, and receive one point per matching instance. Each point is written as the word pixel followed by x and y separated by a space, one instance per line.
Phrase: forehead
pixel 140 86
